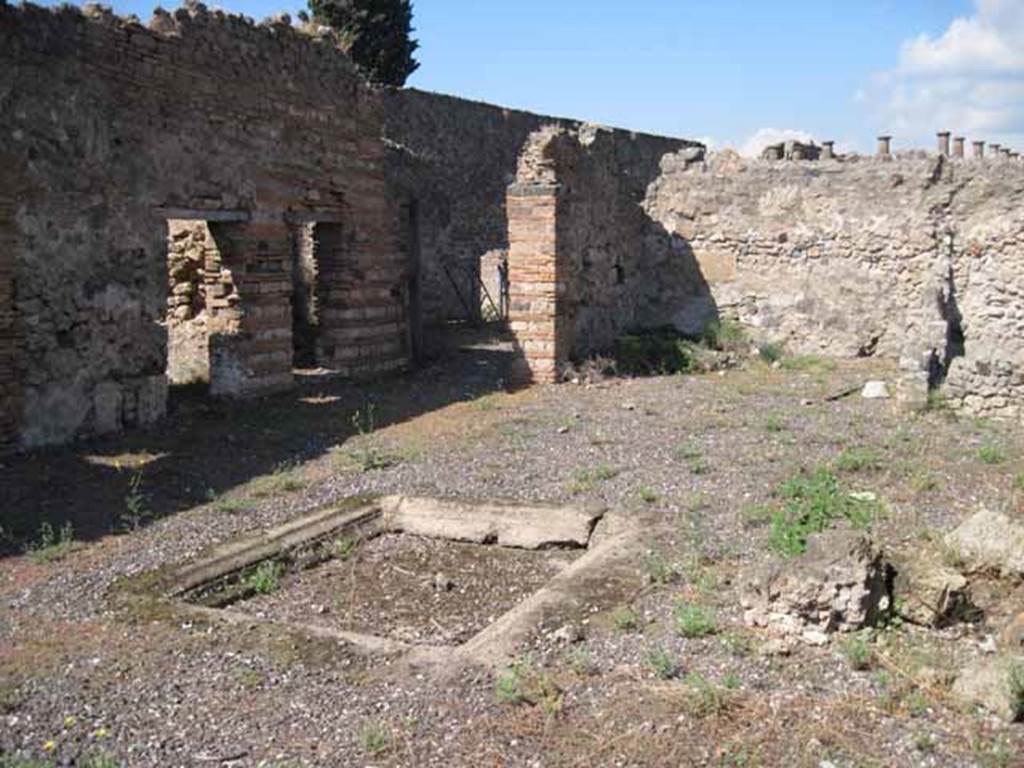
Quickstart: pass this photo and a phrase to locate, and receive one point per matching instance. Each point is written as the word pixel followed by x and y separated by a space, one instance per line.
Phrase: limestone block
pixel 990 541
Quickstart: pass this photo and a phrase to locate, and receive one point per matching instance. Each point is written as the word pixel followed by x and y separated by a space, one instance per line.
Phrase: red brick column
pixel 251 316
pixel 537 287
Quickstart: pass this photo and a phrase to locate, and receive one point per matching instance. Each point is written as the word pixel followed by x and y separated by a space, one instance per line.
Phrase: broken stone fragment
pixel 995 683
pixel 875 390
pixel 443 582
pixel 840 584
pixel 930 592
pixel 567 634
pixel 989 541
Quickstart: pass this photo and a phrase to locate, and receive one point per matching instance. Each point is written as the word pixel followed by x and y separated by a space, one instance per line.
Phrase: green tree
pixel 375 33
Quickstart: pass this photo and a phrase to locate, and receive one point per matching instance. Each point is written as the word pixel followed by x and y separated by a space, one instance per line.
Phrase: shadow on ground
pixel 206 447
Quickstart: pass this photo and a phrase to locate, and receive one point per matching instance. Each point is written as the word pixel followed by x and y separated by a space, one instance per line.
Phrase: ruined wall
pixel 865 256
pixel 11 357
pixel 455 158
pixel 587 263
pixel 119 127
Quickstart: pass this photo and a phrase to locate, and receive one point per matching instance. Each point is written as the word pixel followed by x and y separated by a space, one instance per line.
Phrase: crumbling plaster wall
pixel 866 256
pixel 117 127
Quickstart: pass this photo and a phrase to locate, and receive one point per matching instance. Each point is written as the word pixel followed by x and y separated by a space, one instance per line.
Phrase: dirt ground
pixel 87 679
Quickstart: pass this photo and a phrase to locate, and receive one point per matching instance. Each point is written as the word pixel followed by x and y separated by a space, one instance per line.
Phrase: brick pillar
pixel 250 308
pixel 537 288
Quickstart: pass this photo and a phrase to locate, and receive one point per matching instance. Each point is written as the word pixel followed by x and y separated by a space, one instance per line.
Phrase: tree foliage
pixel 375 33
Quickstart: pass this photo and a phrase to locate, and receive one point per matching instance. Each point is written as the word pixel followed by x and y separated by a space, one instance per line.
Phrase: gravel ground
pixel 695 457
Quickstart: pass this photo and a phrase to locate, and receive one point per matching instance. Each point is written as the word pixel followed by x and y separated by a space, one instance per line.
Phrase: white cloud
pixel 765 137
pixel 969 80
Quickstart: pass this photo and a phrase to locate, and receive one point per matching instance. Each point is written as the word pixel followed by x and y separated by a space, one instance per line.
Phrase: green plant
pixel 756 515
pixel 285 477
pixel 662 663
pixel 704 698
pixel 732 681
pixel 344 547
pixel 587 479
pixel 266 577
pixel 737 644
pixel 992 453
pixel 136 509
pixel 694 620
pixel 1015 679
pixel 52 545
pixel 807 363
pixel 691 454
pixel 859 460
pixel 647 495
pixel 522 683
pixel 654 352
pixel 98 760
pixel 1018 482
pixel 625 619
pixel 769 352
pixel 376 34
pixel 659 569
pixel 857 652
pixel 774 424
pixel 374 737
pixel 813 501
pixel 581 660
pixel 725 333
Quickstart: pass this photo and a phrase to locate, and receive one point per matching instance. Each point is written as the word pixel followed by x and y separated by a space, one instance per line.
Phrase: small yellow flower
pixel 49 746
pixel 69 721
pixel 100 733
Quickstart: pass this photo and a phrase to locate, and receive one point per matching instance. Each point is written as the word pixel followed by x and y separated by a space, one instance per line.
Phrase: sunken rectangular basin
pixel 392 573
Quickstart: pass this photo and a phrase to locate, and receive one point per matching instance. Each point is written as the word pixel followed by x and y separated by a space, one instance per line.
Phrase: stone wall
pixel 862 256
pixel 587 262
pixel 455 158
pixel 113 128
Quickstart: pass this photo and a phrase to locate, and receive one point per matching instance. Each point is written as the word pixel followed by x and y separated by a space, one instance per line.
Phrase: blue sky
pixel 731 70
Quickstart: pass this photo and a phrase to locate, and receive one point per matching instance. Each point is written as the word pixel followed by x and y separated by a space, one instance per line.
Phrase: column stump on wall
pixel 537 286
pixel 251 326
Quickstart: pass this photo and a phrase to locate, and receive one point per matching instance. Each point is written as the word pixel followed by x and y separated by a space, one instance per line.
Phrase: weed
pixel 813 502
pixel 857 652
pixel 808 363
pixel 756 515
pixel 859 460
pixel 738 645
pixel 924 742
pixel 662 663
pixel 659 569
pixel 1018 482
pixel 992 453
pixel 374 737
pixel 694 620
pixel 732 682
pixel 647 495
pixel 691 454
pixel 704 698
pixel 266 578
pixel 581 660
pixel 52 545
pixel 284 478
pixel 774 424
pixel 656 352
pixel 625 619
pixel 521 683
pixel 344 547
pixel 1015 677
pixel 136 509
pixel 587 479
pixel 225 504
pixel 769 352
pixel 725 334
